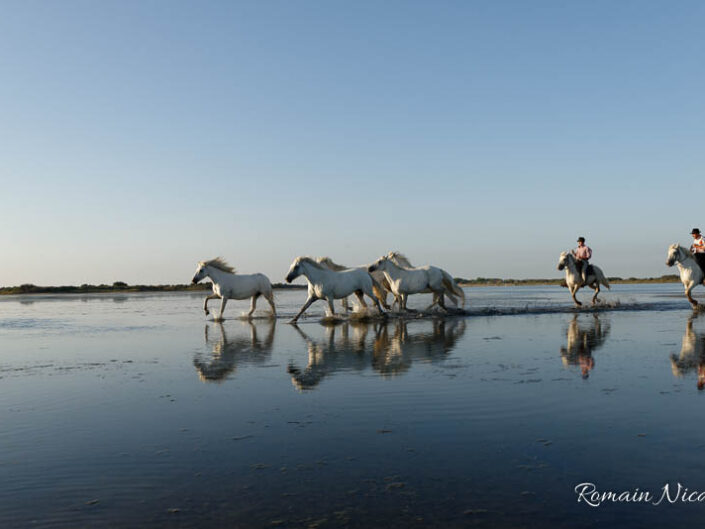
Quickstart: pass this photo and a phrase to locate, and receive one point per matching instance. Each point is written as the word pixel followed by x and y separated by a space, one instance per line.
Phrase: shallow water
pixel 133 410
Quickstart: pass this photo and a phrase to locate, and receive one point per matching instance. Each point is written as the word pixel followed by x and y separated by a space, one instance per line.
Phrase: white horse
pixel 229 285
pixel 400 259
pixel 330 285
pixel 404 281
pixel 379 282
pixel 690 271
pixel 574 279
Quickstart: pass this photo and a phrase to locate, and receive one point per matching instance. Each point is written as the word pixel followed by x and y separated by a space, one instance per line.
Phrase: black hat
pixel 581 239
pixel 695 231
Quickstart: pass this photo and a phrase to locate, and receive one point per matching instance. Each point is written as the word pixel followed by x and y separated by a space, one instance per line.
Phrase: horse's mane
pixel 312 261
pixel 220 264
pixel 400 259
pixel 328 262
pixel 685 251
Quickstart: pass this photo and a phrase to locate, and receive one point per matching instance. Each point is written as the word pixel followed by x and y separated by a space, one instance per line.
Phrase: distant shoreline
pixel 118 288
pixel 124 288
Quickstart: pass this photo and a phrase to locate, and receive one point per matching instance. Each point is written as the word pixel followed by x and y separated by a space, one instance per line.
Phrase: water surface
pixel 135 410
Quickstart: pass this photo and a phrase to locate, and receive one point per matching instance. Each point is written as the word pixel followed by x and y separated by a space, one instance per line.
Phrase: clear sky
pixel 139 137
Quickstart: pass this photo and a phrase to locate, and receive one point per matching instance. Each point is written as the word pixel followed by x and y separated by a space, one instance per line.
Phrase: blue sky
pixel 139 137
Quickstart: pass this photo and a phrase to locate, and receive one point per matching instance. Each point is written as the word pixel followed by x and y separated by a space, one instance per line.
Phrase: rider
pixel 582 255
pixel 698 248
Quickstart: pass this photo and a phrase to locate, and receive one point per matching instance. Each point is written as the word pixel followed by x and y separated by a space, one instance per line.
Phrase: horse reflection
pixel 582 340
pixel 330 355
pixel 692 355
pixel 230 352
pixel 390 350
pixel 394 353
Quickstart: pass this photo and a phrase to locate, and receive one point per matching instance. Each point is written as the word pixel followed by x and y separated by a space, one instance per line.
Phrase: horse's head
pixel 379 264
pixel 674 254
pixel 563 260
pixel 201 273
pixel 399 259
pixel 294 270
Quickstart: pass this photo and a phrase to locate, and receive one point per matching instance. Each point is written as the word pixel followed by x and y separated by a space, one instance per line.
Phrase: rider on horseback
pixel 582 255
pixel 698 248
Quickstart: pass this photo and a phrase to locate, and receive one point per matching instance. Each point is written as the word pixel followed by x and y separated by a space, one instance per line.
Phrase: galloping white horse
pixel 690 271
pixel 404 281
pixel 574 279
pixel 379 282
pixel 227 284
pixel 400 259
pixel 330 285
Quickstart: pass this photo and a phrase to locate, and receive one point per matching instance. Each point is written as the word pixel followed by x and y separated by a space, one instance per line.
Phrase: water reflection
pixel 389 348
pixel 229 352
pixel 582 338
pixel 692 355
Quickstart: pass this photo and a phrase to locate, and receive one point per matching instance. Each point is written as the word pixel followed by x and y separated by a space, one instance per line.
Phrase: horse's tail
pixel 453 287
pixel 601 277
pixel 267 290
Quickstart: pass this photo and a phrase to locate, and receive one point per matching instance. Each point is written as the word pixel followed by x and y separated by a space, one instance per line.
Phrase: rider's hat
pixel 581 239
pixel 695 231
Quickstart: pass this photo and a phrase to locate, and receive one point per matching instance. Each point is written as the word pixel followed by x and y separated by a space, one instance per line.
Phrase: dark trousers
pixel 583 264
pixel 700 259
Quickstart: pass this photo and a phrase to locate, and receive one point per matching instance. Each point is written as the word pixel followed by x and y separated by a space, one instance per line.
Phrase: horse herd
pixel 393 274
pixel 327 280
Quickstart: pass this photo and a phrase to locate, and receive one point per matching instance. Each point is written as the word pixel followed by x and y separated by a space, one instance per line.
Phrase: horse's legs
pixel 441 301
pixel 573 290
pixel 381 295
pixel 205 302
pixel 435 301
pixel 372 295
pixel 688 289
pixel 331 305
pixel 346 306
pixel 253 304
pixel 358 294
pixel 310 300
pixel 270 299
pixel 223 302
pixel 438 300
pixel 404 298
pixel 597 291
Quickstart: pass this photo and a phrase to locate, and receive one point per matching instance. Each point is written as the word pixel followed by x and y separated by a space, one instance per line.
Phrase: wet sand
pixel 134 410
